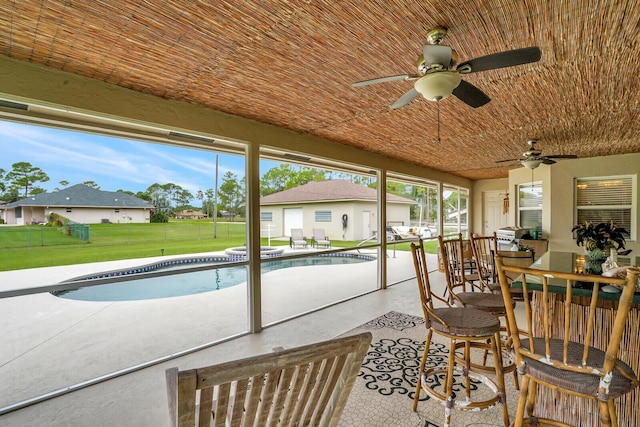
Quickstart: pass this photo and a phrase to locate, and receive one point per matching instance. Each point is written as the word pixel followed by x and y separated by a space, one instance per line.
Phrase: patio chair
pixel 297 238
pixel 320 239
pixel 306 385
pixel 564 352
pixel 464 328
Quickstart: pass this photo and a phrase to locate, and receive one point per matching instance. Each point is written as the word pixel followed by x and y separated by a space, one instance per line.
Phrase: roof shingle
pixel 81 195
pixel 325 191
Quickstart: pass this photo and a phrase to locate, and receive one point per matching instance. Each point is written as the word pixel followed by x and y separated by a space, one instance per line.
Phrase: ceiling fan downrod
pixel 438 110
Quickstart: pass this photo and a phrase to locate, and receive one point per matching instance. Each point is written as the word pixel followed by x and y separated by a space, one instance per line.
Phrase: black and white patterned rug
pixel 385 387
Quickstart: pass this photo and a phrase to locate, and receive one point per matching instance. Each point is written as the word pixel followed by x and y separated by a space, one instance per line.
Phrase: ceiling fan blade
pixel 504 59
pixel 436 54
pixel 562 156
pixel 405 99
pixel 508 160
pixel 385 79
pixel 470 95
pixel 547 161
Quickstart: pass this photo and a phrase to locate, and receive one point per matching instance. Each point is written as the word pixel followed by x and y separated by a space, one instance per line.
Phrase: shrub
pixel 159 217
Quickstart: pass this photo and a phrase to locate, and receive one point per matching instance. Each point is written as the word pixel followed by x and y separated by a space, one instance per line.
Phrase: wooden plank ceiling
pixel 292 63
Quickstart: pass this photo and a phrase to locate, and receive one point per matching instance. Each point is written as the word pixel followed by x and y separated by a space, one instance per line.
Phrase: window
pixel 266 216
pixel 530 206
pixel 116 210
pixel 323 216
pixel 605 199
pixel 454 210
pixel 68 210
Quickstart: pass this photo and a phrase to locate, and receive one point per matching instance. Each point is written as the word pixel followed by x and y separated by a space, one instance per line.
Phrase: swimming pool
pixel 193 282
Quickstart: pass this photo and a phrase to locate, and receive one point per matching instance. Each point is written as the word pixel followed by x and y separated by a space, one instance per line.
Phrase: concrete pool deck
pixel 50 343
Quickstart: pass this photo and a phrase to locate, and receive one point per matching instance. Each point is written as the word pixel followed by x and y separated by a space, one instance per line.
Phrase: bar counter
pixel 551 404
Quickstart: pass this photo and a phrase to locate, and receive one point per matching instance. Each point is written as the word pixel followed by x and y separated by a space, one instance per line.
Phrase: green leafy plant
pixel 603 236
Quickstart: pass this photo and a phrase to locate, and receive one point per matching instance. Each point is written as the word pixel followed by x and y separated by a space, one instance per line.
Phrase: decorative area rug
pixel 383 393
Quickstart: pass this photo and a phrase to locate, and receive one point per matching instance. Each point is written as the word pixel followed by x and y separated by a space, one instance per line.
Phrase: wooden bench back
pixel 306 385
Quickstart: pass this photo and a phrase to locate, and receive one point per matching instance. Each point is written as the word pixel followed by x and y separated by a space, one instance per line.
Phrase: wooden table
pixel 554 405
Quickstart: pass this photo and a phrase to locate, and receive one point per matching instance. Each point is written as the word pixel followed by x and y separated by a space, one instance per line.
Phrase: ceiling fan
pixel 439 75
pixel 532 158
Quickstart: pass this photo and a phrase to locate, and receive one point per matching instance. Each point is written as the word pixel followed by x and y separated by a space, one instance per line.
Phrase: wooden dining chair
pixel 561 351
pixel 307 385
pixel 463 327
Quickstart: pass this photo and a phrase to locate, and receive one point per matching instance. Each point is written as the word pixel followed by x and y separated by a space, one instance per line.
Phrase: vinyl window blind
pixel 604 200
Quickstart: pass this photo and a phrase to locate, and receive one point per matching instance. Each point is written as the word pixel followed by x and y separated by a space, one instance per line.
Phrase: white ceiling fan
pixel 532 158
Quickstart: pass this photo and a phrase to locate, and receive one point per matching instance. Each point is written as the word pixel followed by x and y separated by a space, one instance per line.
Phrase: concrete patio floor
pixel 50 343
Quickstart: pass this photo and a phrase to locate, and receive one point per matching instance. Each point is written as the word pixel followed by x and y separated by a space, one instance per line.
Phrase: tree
pixel 92 184
pixel 23 175
pixel 285 176
pixel 2 184
pixel 64 183
pixel 208 202
pixel 231 193
pixel 182 198
pixel 160 201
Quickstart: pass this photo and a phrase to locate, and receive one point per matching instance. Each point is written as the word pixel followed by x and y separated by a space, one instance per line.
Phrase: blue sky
pixel 112 163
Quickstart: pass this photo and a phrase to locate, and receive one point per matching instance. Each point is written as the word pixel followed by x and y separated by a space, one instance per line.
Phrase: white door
pixel 366 224
pixel 493 211
pixel 292 219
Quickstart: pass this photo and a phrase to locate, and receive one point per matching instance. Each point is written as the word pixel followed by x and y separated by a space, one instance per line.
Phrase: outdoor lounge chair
pixel 320 239
pixel 297 238
pixel 306 385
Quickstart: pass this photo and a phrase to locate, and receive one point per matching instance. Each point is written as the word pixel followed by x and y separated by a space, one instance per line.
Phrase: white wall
pixel 333 229
pixel 558 213
pixel 477 209
pixel 96 215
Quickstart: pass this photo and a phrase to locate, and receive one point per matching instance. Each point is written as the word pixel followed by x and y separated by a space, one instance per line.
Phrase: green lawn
pixel 38 246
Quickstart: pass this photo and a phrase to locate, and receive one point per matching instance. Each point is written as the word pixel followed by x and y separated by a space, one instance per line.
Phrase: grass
pixel 38 246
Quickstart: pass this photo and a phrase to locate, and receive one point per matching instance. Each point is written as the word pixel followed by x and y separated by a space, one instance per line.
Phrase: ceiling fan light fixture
pixel 531 163
pixel 437 86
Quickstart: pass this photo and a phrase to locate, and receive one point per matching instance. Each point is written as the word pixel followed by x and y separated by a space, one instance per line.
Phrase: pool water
pixel 194 282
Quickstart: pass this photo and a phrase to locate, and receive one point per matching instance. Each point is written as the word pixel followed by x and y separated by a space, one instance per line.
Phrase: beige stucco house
pixel 190 214
pixel 79 203
pixel 346 211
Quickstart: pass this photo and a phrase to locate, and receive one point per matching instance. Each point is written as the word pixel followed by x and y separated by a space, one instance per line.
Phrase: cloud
pixel 111 162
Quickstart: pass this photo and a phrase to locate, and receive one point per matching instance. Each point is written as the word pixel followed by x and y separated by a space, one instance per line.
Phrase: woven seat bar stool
pixel 563 352
pixel 485 249
pixel 460 326
pixel 477 298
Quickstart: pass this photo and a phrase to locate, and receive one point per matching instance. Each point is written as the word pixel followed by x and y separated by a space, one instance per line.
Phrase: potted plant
pixel 599 240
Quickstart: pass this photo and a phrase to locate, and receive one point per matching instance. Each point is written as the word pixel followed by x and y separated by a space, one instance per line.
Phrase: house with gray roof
pixel 346 211
pixel 79 203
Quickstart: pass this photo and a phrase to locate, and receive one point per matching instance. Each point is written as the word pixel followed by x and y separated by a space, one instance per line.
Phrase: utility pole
pixel 215 204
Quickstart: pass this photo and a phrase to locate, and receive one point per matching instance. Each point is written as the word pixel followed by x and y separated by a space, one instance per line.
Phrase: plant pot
pixel 593 263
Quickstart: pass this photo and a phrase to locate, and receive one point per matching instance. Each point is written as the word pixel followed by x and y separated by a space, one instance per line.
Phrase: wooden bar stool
pixel 563 351
pixel 479 298
pixel 461 326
